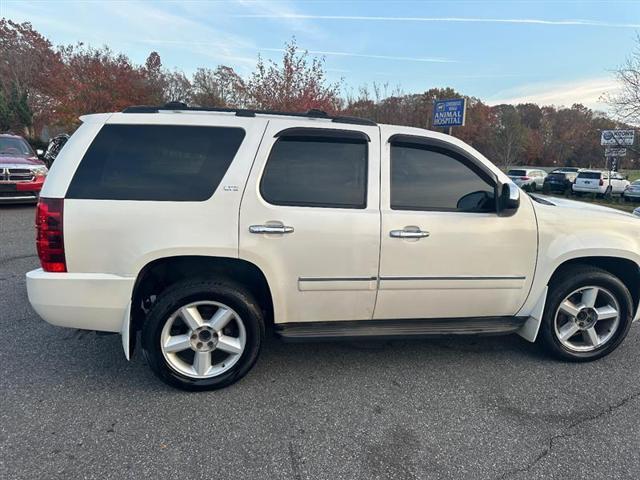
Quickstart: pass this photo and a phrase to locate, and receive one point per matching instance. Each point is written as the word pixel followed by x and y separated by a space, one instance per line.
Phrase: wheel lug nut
pixel 210 344
pixel 199 345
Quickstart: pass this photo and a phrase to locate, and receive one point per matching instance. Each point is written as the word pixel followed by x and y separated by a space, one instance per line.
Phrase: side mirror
pixel 40 153
pixel 508 199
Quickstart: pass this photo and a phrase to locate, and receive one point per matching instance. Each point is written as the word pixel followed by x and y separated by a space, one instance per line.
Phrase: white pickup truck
pixel 196 229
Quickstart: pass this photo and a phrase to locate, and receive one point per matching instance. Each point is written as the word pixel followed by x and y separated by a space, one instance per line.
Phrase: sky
pixel 547 52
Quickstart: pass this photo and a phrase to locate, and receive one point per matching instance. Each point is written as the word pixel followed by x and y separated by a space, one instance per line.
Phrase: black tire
pixel 608 193
pixel 568 281
pixel 534 187
pixel 180 294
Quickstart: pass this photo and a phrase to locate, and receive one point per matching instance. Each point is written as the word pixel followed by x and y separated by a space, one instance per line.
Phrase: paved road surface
pixel 71 406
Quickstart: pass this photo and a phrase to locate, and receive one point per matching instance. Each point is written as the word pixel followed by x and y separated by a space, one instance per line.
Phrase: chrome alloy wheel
pixel 587 319
pixel 203 339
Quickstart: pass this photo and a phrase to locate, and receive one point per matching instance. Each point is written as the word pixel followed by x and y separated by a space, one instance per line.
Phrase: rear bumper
pixel 557 187
pixel 88 301
pixel 576 188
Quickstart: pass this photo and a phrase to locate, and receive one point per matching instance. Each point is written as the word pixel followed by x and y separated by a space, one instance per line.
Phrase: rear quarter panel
pixel 121 236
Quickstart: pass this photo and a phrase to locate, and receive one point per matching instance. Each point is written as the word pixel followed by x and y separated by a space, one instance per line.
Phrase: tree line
pixel 42 85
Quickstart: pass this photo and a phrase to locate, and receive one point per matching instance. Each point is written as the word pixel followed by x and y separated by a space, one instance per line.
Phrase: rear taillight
pixel 601 182
pixel 525 178
pixel 49 238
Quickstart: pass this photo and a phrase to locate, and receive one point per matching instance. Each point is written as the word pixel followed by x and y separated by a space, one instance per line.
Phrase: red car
pixel 22 173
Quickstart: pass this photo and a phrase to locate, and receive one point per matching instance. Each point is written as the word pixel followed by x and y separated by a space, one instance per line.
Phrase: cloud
pixel 530 21
pixel 587 92
pixel 366 55
pixel 142 23
pixel 282 11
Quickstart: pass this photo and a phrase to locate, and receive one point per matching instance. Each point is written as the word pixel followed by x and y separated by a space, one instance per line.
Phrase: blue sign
pixel 449 113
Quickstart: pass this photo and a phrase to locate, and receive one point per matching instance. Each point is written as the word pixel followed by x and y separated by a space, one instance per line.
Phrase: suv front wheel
pixel 203 335
pixel 587 315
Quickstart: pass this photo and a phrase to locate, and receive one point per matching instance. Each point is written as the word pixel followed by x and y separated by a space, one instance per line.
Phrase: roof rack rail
pixel 243 112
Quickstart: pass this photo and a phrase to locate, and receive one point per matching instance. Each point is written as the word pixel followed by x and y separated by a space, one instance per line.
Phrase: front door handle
pixel 270 229
pixel 408 233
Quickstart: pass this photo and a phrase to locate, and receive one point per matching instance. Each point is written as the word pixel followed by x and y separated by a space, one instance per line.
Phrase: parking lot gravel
pixel 71 406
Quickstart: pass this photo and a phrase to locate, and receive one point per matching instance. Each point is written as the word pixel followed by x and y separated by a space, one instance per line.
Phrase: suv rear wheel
pixel 587 315
pixel 203 335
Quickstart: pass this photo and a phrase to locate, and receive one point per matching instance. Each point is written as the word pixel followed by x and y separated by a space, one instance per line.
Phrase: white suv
pixel 529 179
pixel 198 229
pixel 600 183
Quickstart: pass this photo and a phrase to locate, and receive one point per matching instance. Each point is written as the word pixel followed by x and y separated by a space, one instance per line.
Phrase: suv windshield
pixel 517 173
pixel 591 175
pixel 14 147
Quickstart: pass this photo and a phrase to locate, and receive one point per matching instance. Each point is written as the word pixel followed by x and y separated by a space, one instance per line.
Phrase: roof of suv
pixel 242 112
pixel 527 169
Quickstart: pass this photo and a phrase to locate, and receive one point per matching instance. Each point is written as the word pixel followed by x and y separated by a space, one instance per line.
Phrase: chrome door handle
pixel 408 234
pixel 270 229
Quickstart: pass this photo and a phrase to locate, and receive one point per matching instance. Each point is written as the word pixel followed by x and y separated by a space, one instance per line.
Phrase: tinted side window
pixel 316 172
pixel 428 178
pixel 155 162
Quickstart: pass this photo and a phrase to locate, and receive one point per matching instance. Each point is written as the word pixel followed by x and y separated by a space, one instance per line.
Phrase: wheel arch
pixel 160 273
pixel 627 270
pixel 622 267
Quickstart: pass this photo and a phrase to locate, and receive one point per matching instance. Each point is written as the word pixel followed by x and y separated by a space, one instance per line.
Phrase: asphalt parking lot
pixel 71 406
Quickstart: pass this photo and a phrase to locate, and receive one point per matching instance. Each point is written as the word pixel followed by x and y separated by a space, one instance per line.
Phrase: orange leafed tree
pixel 100 81
pixel 296 84
pixel 30 67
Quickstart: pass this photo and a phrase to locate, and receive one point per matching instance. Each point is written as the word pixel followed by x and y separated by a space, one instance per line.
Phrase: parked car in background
pixel 566 170
pixel 54 147
pixel 600 183
pixel 528 178
pixel 632 192
pixel 22 173
pixel 559 181
pixel 413 233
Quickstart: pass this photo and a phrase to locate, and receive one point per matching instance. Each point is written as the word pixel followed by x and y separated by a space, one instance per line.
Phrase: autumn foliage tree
pixel 31 80
pixel 221 87
pixel 100 80
pixel 297 84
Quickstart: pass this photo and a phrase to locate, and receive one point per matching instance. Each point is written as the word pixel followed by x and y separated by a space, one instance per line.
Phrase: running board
pixel 398 329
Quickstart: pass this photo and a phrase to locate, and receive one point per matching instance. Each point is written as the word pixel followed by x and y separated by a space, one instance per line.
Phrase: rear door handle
pixel 270 229
pixel 408 234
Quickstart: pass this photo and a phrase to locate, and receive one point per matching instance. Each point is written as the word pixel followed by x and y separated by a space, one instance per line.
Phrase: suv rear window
pixel 517 173
pixel 155 162
pixel 557 176
pixel 590 175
